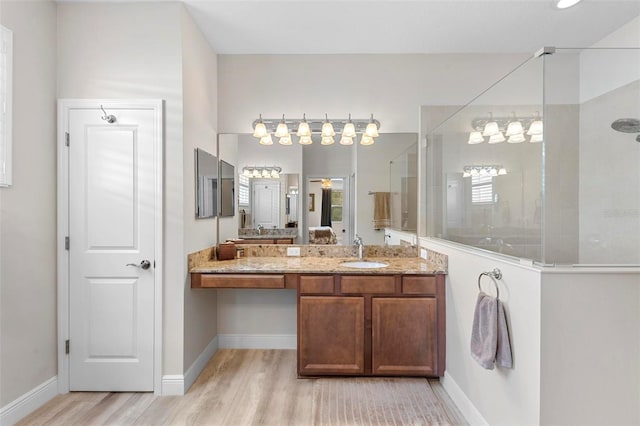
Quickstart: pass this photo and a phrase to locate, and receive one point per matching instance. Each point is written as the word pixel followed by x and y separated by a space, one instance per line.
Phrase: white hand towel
pixel 490 335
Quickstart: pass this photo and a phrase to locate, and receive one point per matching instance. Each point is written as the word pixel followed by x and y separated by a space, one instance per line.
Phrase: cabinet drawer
pixel 367 284
pixel 242 281
pixel 419 285
pixel 318 284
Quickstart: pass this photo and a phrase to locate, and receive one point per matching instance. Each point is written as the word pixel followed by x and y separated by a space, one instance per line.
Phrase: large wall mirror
pixel 206 184
pixel 293 198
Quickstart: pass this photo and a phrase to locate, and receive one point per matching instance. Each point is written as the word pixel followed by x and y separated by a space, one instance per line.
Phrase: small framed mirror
pixel 227 189
pixel 206 184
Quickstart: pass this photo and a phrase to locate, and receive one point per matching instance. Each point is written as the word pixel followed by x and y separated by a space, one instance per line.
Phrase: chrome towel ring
pixel 496 274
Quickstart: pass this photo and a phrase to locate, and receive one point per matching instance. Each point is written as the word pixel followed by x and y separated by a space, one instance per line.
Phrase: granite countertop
pixel 397 265
pixel 265 237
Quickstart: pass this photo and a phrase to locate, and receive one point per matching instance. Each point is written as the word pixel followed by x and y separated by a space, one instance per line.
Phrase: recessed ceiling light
pixel 563 4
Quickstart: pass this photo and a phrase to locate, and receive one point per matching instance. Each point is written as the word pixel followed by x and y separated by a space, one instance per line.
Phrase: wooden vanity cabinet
pixel 383 325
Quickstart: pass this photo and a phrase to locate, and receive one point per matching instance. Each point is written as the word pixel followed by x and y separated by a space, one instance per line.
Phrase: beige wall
pixel 133 50
pixel 199 82
pixel 28 208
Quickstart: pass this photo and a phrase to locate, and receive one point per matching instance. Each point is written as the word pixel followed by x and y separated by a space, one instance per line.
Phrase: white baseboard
pixel 29 402
pixel 178 384
pixel 257 341
pixel 198 365
pixel 462 401
pixel 172 384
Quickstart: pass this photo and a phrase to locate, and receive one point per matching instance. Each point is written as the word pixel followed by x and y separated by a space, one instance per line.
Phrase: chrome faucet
pixel 358 243
pixel 260 228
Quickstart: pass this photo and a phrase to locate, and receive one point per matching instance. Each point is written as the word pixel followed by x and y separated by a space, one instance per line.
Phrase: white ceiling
pixel 419 26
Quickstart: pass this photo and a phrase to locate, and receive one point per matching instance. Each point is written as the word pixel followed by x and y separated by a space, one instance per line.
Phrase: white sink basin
pixel 364 264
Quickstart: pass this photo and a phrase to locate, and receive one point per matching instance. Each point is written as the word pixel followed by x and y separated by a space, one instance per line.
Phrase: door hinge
pixel 66 243
pixel 66 346
pixel 66 138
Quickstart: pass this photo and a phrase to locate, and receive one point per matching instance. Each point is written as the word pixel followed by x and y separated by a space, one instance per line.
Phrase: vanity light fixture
pixel 259 129
pixel 500 129
pixel 303 128
pixel 264 172
pixel 535 138
pixel 349 130
pixel 283 129
pixel 483 170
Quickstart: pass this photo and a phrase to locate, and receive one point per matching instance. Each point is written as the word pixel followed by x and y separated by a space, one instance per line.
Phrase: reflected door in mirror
pixel 266 204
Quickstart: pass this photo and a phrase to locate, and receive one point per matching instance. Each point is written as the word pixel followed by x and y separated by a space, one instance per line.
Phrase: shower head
pixel 626 125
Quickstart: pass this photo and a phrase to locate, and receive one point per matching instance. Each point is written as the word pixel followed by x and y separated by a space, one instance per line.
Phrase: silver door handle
pixel 145 264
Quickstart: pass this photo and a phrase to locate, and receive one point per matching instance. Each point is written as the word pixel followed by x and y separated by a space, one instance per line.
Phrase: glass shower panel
pixel 592 156
pixel 484 181
pixel 403 185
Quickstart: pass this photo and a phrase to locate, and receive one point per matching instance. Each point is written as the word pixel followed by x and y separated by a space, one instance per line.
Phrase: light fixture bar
pixel 315 124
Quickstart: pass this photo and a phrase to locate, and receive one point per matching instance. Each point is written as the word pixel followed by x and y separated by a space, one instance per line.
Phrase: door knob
pixel 145 264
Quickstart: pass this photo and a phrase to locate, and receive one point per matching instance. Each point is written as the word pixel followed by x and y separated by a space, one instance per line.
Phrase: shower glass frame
pixel 572 199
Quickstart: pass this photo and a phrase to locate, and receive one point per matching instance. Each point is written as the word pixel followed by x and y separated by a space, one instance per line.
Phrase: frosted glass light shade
pixel 327 140
pixel 497 138
pixel 349 130
pixel 371 130
pixel 514 128
pixel 490 129
pixel 305 140
pixel 366 140
pixel 275 174
pixel 281 130
pixel 475 137
pixel 303 129
pixel 256 173
pixel 516 138
pixel 266 140
pixel 535 139
pixel 502 171
pixel 260 130
pixel 247 173
pixel 346 140
pixel 327 130
pixel 535 128
pixel 285 140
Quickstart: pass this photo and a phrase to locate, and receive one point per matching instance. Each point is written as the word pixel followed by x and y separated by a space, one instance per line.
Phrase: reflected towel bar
pixel 496 274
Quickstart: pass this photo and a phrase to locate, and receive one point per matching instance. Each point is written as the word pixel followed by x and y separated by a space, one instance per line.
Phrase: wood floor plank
pixel 237 387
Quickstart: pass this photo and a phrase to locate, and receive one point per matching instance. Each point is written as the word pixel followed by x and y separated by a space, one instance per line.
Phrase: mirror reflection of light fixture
pixel 305 140
pixel 282 129
pixel 325 183
pixel 265 172
pixel 564 4
pixel 366 140
pixel 483 170
pixel 475 137
pixel 517 138
pixel 346 140
pixel 512 128
pixel 285 140
pixel 535 138
pixel 535 128
pixel 266 140
pixel 497 138
pixel 327 140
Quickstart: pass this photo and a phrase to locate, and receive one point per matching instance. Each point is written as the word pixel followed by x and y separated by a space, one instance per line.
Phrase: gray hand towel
pixel 490 335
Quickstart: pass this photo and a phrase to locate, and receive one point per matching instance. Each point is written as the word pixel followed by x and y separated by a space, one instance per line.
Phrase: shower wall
pixel 609 179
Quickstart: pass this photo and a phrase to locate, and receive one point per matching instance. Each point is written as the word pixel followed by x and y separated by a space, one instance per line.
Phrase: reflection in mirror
pixel 364 169
pixel 227 189
pixel 206 184
pixel 327 214
pixel 403 184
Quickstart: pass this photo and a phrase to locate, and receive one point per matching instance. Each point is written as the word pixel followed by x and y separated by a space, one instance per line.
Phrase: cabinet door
pixel 404 337
pixel 330 335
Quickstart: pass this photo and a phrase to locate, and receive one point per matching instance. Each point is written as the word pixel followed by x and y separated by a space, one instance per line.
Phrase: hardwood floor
pixel 237 387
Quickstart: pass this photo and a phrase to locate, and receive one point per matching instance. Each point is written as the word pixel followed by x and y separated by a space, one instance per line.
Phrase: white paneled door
pixel 266 203
pixel 112 217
